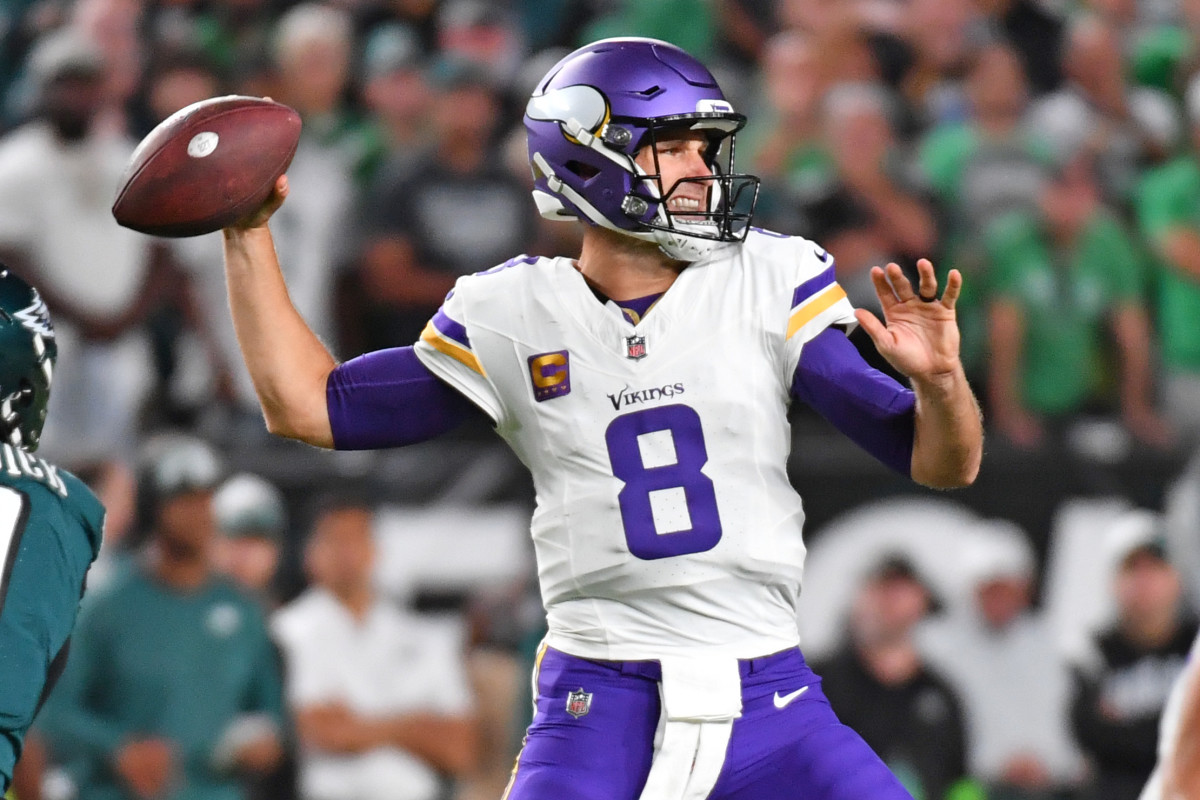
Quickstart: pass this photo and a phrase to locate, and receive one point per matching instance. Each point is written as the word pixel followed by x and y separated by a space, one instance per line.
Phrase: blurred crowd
pixel 1048 149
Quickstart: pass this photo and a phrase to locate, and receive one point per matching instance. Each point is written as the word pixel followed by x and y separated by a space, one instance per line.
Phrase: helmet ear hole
pixel 585 171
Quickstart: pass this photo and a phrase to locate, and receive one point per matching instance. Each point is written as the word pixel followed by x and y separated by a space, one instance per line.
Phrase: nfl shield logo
pixel 635 347
pixel 579 702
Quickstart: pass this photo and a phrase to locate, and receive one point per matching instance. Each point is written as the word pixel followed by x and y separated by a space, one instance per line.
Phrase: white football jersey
pixel 665 522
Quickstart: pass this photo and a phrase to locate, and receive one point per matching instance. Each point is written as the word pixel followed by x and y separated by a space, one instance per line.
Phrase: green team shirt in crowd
pixel 50 531
pixel 977 180
pixel 1066 297
pixel 1169 197
pixel 149 661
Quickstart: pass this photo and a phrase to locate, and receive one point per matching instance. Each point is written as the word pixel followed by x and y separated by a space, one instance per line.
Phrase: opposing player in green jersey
pixel 50 523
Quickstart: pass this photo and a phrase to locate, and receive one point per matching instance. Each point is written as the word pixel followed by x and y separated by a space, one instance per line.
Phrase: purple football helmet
pixel 598 107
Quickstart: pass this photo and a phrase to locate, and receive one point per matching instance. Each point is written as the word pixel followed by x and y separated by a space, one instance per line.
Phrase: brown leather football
pixel 207 166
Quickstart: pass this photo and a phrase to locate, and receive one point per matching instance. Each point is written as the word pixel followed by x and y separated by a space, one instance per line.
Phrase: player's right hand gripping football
pixel 258 218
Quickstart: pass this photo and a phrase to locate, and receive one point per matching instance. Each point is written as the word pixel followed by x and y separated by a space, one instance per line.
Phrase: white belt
pixel 701 697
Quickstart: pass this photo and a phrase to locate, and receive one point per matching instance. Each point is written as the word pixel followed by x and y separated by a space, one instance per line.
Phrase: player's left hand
pixel 920 338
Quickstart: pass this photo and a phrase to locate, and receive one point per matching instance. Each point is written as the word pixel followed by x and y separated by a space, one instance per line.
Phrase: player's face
pixel 679 154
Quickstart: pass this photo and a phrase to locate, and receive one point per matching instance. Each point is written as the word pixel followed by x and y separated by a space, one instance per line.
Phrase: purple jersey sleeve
pixel 869 407
pixel 389 399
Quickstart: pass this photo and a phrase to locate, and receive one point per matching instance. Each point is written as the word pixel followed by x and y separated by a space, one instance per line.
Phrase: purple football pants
pixel 798 752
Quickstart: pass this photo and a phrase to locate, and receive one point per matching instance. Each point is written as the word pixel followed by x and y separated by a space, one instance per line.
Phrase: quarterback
pixel 50 524
pixel 646 385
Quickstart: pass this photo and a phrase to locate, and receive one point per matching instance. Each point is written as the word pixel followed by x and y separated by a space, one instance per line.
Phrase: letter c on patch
pixel 551 374
pixel 548 370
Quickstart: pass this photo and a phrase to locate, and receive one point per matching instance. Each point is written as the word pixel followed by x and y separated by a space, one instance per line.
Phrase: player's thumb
pixel 871 324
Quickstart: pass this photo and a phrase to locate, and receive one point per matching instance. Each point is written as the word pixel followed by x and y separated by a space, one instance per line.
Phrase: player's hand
pixel 258 218
pixel 919 335
pixel 146 766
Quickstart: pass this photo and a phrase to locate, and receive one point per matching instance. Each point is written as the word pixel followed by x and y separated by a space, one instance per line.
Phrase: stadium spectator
pixel 1155 40
pixel 1097 113
pixel 1005 663
pixel 484 34
pixel 1037 34
pixel 114 27
pixel 313 48
pixel 234 35
pixel 380 697
pixel 314 51
pixel 398 96
pixel 926 61
pixel 980 169
pixel 873 211
pixel 839 36
pixel 172 688
pixel 252 519
pixel 459 212
pixel 784 148
pixel 1169 211
pixel 57 175
pixel 881 687
pixel 1056 283
pixel 1122 684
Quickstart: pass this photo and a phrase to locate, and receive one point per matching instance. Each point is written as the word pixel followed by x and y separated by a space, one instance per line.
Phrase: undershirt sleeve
pixel 869 407
pixel 390 399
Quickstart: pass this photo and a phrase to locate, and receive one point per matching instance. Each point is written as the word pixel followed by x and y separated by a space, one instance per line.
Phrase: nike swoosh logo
pixel 785 700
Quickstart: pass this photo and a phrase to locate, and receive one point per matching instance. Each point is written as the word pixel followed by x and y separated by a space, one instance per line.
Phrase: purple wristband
pixel 389 399
pixel 869 407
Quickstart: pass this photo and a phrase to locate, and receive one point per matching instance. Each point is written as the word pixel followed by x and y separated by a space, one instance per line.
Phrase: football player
pixel 646 385
pixel 50 524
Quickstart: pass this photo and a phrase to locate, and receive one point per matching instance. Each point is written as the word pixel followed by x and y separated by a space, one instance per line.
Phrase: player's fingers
pixel 874 328
pixel 927 281
pixel 883 289
pixel 900 285
pixel 953 288
pixel 278 194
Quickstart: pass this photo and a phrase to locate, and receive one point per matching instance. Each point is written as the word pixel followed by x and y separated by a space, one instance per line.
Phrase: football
pixel 206 166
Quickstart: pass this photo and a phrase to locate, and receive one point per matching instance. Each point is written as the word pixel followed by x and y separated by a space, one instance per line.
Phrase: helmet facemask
pixel 728 208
